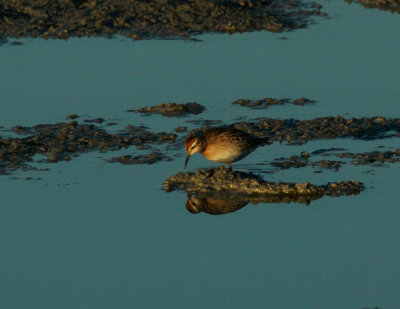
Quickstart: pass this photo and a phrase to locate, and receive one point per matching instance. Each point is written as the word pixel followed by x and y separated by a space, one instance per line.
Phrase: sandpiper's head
pixel 193 145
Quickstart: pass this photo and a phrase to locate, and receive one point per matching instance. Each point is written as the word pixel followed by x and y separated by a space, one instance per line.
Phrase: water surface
pixel 90 234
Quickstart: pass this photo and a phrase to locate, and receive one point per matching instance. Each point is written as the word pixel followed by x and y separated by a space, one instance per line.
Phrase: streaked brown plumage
pixel 224 145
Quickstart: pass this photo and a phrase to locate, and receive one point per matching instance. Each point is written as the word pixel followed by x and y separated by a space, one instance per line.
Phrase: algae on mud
pixel 150 19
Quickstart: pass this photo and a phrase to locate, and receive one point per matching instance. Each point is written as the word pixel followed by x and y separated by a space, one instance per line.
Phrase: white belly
pixel 228 156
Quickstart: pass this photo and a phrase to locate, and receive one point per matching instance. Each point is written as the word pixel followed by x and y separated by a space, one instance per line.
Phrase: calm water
pixel 91 234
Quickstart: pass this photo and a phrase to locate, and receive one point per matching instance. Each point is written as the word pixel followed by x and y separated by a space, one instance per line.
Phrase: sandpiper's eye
pixel 193 145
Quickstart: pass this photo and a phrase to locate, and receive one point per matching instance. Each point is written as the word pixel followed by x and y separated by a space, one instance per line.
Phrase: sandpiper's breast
pixel 225 153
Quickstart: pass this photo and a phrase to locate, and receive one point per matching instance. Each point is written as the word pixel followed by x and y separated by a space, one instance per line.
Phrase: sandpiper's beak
pixel 187 159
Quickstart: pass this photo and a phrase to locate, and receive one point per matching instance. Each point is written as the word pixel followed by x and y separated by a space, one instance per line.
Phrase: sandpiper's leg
pixel 230 167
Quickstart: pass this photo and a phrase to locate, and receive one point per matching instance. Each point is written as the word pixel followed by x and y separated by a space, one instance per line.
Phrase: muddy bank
pixel 150 19
pixel 149 158
pixel 297 132
pixel 62 141
pixel 267 102
pixel 366 158
pixel 235 182
pixel 172 109
pixel 385 5
pixel 301 131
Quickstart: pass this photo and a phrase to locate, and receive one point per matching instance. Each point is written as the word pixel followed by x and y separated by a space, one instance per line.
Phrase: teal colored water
pixel 90 234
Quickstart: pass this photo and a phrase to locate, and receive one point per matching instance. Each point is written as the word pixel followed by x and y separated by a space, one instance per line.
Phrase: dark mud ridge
pixel 150 19
pixel 62 141
pixel 172 109
pixel 267 102
pixel 220 180
pixel 386 5
pixel 301 131
pixel 366 158
pixel 150 158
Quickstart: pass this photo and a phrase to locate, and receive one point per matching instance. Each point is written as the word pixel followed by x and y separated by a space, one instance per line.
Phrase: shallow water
pixel 91 234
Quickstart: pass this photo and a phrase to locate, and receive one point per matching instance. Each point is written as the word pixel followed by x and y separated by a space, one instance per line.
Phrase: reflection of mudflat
pixel 218 191
pixel 218 204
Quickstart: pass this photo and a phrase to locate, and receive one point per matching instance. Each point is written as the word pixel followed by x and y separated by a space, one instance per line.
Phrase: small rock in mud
pixel 267 102
pixel 180 129
pixel 235 182
pixel 150 158
pixel 73 116
pixel 305 155
pixel 21 130
pixel 173 109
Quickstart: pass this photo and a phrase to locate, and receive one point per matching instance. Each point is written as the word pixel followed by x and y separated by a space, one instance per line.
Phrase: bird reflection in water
pixel 213 206
pixel 219 204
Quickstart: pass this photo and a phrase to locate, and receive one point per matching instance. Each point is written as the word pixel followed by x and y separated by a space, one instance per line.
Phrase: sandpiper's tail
pixel 262 141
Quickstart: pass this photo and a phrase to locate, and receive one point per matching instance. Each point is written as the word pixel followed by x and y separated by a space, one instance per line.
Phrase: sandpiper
pixel 224 145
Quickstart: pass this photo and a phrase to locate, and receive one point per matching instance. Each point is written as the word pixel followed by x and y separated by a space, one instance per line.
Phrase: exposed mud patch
pixel 301 131
pixel 172 109
pixel 150 19
pixel 386 5
pixel 372 157
pixel 62 141
pixel 150 158
pixel 267 102
pixel 235 182
pixel 367 158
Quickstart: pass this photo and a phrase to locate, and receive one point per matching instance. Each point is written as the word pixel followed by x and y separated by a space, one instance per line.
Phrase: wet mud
pixel 172 109
pixel 375 158
pixel 222 180
pixel 150 158
pixel 150 19
pixel 62 141
pixel 385 5
pixel 66 140
pixel 267 102
pixel 295 131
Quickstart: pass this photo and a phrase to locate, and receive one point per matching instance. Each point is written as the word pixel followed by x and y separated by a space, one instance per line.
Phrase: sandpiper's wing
pixel 231 136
